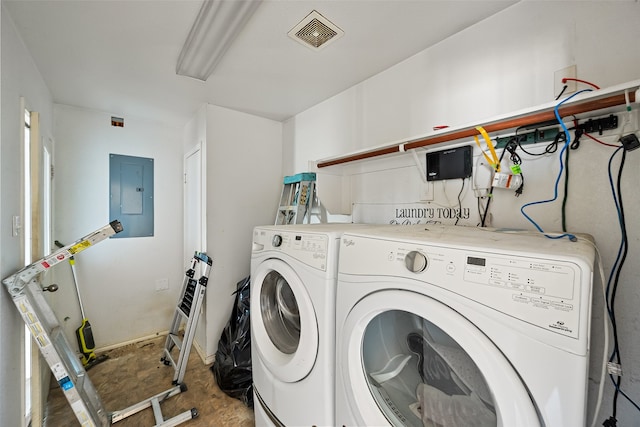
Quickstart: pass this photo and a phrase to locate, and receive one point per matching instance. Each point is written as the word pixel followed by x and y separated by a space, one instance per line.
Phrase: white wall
pixel 243 181
pixel 19 77
pixel 502 64
pixel 118 276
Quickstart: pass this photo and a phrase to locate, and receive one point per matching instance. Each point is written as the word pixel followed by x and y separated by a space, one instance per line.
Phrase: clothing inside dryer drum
pixel 420 376
pixel 280 313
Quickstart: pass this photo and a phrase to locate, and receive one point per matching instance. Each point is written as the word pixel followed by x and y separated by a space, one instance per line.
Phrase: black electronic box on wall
pixel 451 163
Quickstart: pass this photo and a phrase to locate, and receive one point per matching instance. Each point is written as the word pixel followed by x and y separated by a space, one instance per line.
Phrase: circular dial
pixel 277 240
pixel 415 261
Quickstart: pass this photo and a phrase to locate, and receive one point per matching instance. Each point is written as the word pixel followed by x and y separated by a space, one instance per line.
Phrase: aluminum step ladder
pixel 187 313
pixel 27 295
pixel 298 200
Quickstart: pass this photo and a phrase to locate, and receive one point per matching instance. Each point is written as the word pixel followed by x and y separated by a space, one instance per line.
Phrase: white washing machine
pixel 293 282
pixel 455 326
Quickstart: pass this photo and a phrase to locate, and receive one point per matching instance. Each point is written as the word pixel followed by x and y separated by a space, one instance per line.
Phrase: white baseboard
pixel 133 341
pixel 207 360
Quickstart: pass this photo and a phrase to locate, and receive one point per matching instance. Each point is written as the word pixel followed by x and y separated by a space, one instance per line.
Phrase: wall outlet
pixel 572 86
pixel 426 191
pixel 162 284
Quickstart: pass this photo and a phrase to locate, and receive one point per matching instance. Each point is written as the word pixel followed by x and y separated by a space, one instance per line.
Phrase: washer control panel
pixel 541 292
pixel 535 278
pixel 550 291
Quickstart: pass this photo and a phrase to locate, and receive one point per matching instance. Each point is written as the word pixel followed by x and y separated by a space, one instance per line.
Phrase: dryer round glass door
pixel 409 360
pixel 284 325
pixel 280 313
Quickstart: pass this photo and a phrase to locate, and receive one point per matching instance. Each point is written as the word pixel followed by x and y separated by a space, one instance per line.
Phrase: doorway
pixel 37 201
pixel 194 223
pixel 193 203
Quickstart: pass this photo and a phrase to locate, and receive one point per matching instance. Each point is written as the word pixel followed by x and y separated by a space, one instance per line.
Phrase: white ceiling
pixel 120 56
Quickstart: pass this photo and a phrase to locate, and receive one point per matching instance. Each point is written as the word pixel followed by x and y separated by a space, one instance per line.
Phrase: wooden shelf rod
pixel 510 123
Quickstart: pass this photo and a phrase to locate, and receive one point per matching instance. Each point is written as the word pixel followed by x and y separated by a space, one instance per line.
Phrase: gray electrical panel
pixel 131 194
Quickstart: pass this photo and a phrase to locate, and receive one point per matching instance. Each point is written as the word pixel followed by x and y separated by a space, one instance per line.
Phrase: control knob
pixel 415 262
pixel 277 240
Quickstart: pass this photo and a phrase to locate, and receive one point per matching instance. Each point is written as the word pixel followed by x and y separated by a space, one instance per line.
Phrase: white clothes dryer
pixel 293 281
pixel 456 326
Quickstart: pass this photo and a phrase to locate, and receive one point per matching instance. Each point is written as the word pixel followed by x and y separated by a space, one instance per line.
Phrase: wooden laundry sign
pixel 409 213
pixel 428 215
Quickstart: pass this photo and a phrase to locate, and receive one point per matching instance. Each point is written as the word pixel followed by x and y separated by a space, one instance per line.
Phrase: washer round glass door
pixel 409 360
pixel 284 321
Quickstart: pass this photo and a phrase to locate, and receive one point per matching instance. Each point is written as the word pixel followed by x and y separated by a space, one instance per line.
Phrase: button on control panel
pixel 535 278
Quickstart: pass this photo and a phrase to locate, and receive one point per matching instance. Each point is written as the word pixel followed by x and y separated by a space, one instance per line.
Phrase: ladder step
pixel 305 176
pixel 188 298
pixel 176 340
pixel 185 309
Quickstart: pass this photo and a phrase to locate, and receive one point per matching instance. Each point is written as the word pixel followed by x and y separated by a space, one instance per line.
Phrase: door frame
pixel 198 149
pixel 200 211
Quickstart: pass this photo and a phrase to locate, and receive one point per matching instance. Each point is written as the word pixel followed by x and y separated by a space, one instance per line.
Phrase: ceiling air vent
pixel 315 31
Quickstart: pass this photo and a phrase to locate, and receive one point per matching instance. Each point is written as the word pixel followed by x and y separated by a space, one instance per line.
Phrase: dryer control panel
pixel 308 248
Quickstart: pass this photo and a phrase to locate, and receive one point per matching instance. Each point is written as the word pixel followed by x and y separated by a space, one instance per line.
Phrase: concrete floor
pixel 135 372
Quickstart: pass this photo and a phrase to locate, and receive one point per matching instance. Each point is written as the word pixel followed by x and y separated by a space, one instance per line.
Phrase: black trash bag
pixel 232 367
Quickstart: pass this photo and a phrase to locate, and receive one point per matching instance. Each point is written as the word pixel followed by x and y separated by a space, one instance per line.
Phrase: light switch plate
pixel 16 225
pixel 426 191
